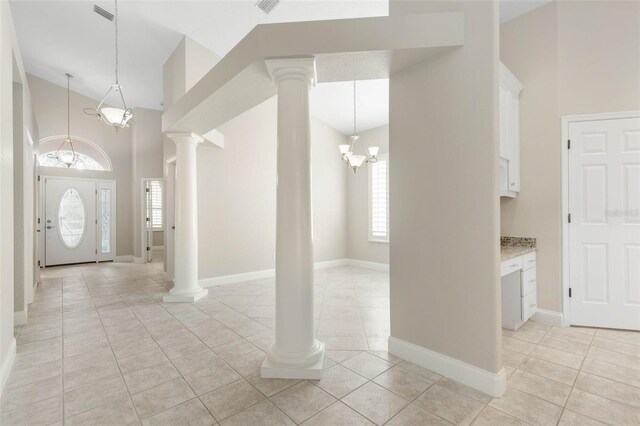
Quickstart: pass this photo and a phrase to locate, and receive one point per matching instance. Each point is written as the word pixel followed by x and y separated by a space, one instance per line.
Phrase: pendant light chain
pixel 68 109
pixel 118 117
pixel 116 23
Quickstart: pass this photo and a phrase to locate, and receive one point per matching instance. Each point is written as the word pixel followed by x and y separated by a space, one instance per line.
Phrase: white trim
pixel 371 237
pixel 139 260
pixel 566 120
pixel 125 258
pixel 270 273
pixel 237 278
pixel 7 364
pixel 369 265
pixel 494 384
pixel 19 318
pixel 157 248
pixel 546 317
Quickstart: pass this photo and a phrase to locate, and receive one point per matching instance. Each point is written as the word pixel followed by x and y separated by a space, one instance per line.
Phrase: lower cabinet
pixel 519 290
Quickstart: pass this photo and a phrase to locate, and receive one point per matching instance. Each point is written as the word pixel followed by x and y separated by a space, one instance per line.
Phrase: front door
pixel 70 221
pixel 604 233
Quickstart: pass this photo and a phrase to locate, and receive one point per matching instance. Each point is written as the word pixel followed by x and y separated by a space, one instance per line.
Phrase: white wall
pixel 11 70
pixel 237 195
pixel 147 152
pixel 359 246
pixel 572 58
pixel 443 141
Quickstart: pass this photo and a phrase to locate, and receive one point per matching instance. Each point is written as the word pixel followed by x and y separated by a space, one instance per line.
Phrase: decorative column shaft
pixel 185 286
pixel 296 354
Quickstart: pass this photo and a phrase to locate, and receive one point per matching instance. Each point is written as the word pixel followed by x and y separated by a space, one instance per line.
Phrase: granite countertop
pixel 511 247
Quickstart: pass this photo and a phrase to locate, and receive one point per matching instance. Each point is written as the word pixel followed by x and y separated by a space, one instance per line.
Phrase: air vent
pixel 100 11
pixel 267 5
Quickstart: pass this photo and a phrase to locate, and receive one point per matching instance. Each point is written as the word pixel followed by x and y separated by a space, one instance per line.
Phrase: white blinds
pixel 155 203
pixel 379 199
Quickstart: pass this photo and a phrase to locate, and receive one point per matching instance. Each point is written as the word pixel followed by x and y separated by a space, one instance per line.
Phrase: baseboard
pixel 125 258
pixel 368 265
pixel 19 318
pixel 494 384
pixel 262 274
pixel 549 318
pixel 237 278
pixel 7 364
pixel 139 260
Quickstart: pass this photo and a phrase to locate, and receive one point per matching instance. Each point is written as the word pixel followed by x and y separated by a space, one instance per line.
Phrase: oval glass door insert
pixel 71 218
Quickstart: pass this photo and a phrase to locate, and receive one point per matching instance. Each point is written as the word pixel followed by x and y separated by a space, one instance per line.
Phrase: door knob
pixel 50 226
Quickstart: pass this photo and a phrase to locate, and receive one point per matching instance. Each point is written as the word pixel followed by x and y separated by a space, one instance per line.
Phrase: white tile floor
pixel 100 348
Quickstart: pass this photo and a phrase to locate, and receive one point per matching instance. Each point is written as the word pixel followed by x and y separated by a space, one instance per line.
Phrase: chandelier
pixel 355 161
pixel 65 156
pixel 116 117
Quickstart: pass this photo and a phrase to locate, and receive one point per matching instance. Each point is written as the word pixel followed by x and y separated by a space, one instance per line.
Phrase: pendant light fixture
pixel 116 117
pixel 66 156
pixel 355 161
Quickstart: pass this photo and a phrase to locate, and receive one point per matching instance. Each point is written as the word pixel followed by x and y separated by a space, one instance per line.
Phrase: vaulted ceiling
pixel 67 36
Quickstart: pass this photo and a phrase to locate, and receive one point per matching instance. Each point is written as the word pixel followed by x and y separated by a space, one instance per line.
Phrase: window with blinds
pixel 379 199
pixel 155 204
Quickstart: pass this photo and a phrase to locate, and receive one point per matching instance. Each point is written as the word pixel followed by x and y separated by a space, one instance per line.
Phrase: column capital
pixel 284 68
pixel 178 137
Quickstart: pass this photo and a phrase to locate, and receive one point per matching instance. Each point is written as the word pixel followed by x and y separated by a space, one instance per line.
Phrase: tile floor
pixel 100 348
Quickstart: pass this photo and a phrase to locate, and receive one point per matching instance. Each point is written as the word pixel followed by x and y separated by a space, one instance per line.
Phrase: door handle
pixel 173 227
pixel 50 226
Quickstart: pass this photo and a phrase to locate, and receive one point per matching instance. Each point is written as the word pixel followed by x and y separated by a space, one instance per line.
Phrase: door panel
pixel 70 221
pixel 604 234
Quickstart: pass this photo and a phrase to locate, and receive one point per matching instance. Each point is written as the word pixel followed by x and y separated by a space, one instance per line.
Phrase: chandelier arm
pixel 60 147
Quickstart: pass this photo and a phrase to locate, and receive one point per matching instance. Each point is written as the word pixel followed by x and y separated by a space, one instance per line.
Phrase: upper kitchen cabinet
pixel 510 89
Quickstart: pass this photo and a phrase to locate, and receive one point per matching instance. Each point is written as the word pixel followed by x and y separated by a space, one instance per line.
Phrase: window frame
pixel 375 238
pixel 152 224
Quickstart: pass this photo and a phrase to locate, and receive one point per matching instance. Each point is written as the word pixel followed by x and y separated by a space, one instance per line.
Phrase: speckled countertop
pixel 511 247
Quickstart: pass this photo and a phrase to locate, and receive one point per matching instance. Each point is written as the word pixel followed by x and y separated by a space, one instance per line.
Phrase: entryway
pixel 79 220
pixel 602 236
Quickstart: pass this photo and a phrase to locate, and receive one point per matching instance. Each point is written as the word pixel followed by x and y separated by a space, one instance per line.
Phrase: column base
pixel 185 298
pixel 272 370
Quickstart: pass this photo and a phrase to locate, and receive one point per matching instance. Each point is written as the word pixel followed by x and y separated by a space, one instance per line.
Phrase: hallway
pixel 102 348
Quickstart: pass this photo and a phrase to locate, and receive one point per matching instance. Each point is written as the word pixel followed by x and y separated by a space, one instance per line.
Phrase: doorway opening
pixel 153 229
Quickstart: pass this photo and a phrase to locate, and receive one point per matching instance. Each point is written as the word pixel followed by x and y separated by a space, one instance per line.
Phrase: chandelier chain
pixel 354 107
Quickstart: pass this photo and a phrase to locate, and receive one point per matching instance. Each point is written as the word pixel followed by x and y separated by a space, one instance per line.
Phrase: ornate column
pixel 185 282
pixel 296 354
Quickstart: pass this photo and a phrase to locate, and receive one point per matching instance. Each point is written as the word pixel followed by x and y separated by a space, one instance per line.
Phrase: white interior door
pixel 604 233
pixel 70 221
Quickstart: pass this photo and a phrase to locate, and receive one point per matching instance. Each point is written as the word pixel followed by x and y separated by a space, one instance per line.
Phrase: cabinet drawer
pixel 529 305
pixel 529 260
pixel 528 281
pixel 511 265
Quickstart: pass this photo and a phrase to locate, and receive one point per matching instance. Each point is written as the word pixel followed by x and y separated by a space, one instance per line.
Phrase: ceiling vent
pixel 267 5
pixel 100 11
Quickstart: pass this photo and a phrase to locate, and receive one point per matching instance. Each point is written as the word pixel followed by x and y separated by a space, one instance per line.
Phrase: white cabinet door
pixel 509 99
pixel 70 221
pixel 513 145
pixel 604 233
